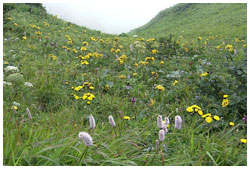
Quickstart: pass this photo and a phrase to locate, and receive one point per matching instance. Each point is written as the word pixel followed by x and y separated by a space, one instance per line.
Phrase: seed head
pixel 86 138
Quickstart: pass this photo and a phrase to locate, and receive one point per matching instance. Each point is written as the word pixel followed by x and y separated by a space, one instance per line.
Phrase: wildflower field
pixel 75 96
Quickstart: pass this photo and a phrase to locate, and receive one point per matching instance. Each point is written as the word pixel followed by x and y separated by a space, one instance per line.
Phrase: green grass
pixel 193 20
pixel 51 137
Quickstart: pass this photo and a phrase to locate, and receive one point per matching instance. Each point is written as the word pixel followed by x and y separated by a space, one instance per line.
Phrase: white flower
pixel 92 122
pixel 111 121
pixel 86 138
pixel 7 83
pixel 11 68
pixel 159 121
pixel 28 84
pixel 135 36
pixel 161 135
pixel 178 122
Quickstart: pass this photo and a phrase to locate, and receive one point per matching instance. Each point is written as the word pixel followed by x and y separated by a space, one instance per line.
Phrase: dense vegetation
pixel 192 20
pixel 57 74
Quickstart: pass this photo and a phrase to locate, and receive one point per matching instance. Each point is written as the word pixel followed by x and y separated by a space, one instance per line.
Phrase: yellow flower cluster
pixel 160 88
pixel 65 47
pixel 143 63
pixel 122 77
pixel 150 40
pixel 45 23
pixel 208 117
pixel 36 27
pixel 69 39
pixel 122 58
pixel 225 101
pixel 149 59
pixel 53 57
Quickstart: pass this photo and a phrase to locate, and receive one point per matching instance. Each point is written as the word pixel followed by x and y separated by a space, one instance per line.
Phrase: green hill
pixel 192 20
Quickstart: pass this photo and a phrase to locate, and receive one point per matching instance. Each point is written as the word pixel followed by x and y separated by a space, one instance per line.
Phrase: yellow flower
pixel 200 112
pixel 14 107
pixel 126 118
pixel 216 118
pixel 84 74
pixel 117 51
pixel 9 18
pixel 175 82
pixel 225 96
pixel 160 88
pixel 189 109
pixel 134 74
pixel 209 119
pixel 91 87
pixel 66 83
pixel 206 115
pixel 88 102
pixel 74 50
pixel 112 50
pixel 85 43
pixel 38 33
pixel 152 102
pixel 244 141
pixel 24 37
pixel 90 98
pixel 229 48
pixel 231 123
pixel 199 38
pixel 204 74
pixel 6 63
pixel 162 62
pixel 15 24
pixel 122 77
pixel 136 64
pixel 225 103
pixel 83 48
pixel 154 51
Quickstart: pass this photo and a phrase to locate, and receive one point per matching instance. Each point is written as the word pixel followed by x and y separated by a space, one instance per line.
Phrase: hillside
pixel 73 96
pixel 192 20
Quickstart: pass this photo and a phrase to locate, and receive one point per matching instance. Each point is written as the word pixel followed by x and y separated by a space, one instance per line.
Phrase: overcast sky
pixel 109 16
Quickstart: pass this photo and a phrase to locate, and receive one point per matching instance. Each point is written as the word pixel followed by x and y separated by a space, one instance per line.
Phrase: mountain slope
pixel 191 20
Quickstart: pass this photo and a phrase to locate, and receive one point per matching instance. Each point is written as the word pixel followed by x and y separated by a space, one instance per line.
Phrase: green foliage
pixel 75 72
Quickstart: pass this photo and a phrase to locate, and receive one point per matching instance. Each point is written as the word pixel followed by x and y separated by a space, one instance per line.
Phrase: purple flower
pixel 235 52
pixel 133 100
pixel 245 118
pixel 128 76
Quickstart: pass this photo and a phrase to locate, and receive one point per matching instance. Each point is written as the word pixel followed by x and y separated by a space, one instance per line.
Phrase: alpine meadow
pixel 172 92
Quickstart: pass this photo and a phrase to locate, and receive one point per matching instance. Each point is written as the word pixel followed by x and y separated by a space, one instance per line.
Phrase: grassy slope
pixel 50 138
pixel 192 20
